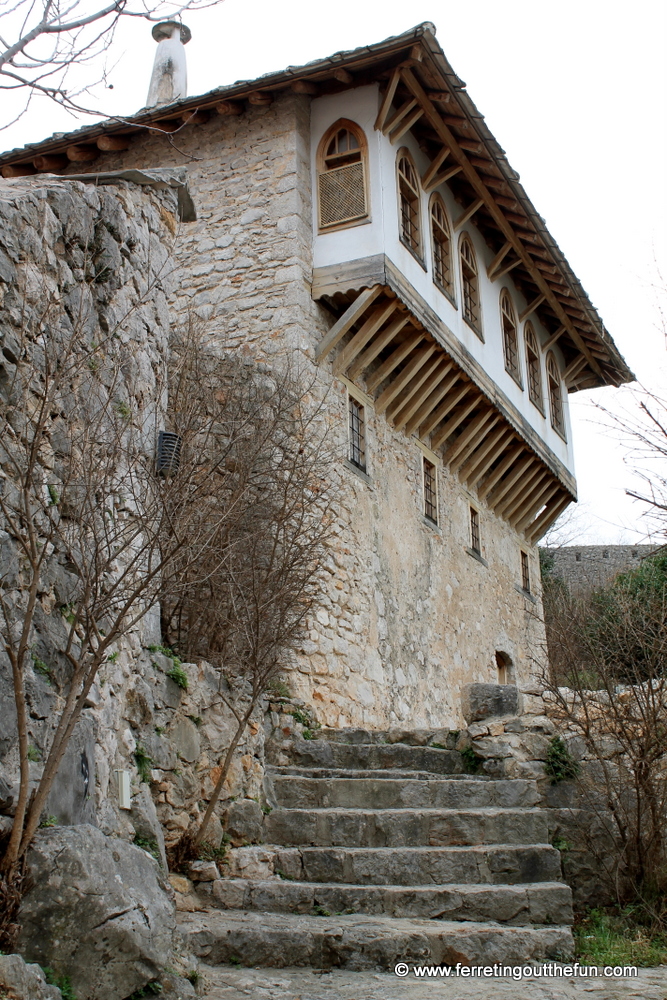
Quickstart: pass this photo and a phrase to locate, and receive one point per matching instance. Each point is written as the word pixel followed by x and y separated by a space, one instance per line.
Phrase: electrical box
pixel 124 792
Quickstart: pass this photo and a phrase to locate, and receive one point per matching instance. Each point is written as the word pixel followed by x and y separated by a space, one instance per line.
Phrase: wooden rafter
pixel 457 418
pixel 496 475
pixel 479 186
pixel 398 115
pixel 504 501
pixel 347 320
pixel 547 517
pixel 393 361
pixel 409 406
pixel 405 125
pixel 505 269
pixel 434 417
pixel 434 167
pixel 496 496
pixel 431 400
pixel 553 338
pixel 531 307
pixel 377 319
pixel 387 100
pixel 529 499
pixel 468 213
pixel 470 439
pixel 423 377
pixel 498 259
pixel 536 506
pixel 481 460
pixel 404 377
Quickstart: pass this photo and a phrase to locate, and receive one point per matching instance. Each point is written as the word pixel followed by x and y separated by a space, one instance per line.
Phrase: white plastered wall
pixel 380 234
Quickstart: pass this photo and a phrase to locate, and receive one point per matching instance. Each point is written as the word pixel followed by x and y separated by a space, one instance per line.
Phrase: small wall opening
pixel 504 667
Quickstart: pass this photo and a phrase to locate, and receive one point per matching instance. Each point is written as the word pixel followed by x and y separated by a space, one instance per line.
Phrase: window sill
pixel 443 291
pixel 413 252
pixel 538 407
pixel 477 555
pixel 433 525
pixel 357 471
pixel 515 377
pixel 475 330
pixel 336 227
pixel 525 593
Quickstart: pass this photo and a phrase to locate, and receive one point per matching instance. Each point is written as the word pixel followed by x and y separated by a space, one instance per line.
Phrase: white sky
pixel 575 92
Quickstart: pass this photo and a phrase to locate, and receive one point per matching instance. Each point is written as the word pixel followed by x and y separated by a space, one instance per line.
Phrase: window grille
pixel 442 247
pixel 430 491
pixel 510 339
pixel 470 285
pixel 357 423
pixel 474 532
pixel 408 192
pixel 168 453
pixel 555 395
pixel 525 572
pixel 342 177
pixel 533 367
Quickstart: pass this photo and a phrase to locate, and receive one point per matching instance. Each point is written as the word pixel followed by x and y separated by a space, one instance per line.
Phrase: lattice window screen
pixel 342 194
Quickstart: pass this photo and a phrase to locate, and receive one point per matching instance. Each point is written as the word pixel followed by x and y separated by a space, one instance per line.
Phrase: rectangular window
pixel 430 491
pixel 525 572
pixel 474 532
pixel 357 424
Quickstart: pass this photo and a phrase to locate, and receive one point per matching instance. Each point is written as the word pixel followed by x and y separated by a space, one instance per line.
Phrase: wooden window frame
pixel 430 489
pixel 510 332
pixel 447 288
pixel 555 393
pixel 469 263
pixel 323 168
pixel 474 528
pixel 357 450
pixel 414 245
pixel 533 367
pixel 525 572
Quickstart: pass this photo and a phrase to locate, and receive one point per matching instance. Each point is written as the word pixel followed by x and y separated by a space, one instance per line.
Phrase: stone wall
pixel 408 615
pixel 59 238
pixel 587 567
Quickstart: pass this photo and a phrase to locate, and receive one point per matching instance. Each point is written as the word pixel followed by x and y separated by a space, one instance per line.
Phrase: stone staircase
pixel 388 852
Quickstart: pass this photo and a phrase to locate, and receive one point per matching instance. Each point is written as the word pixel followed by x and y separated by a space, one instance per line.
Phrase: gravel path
pixel 228 983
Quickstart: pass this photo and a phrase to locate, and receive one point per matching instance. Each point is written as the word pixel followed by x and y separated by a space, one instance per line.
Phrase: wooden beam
pixel 479 463
pixel 454 421
pixel 498 259
pixel 510 493
pixel 505 485
pixel 470 438
pixel 549 491
pixel 261 98
pixel 399 115
pixel 393 361
pixel 348 319
pixel 435 165
pixel 10 170
pixel 195 117
pixel 468 214
pixel 500 470
pixel 113 143
pixel 82 154
pixel 405 125
pixel 387 100
pixel 531 307
pixel 431 401
pixel 377 319
pixel 526 502
pixel 434 416
pixel 412 390
pixel 229 107
pixel 305 87
pixel 554 509
pixel 502 271
pixel 376 346
pixel 482 191
pixel 404 377
pixel 573 368
pixel 410 405
pixel 343 76
pixel 443 178
pixel 553 338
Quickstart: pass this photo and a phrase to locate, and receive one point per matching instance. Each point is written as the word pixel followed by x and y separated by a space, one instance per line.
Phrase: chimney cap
pixel 165 29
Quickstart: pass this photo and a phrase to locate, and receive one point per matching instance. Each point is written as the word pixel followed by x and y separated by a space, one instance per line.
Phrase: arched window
pixel 510 336
pixel 533 367
pixel 555 394
pixel 408 201
pixel 341 165
pixel 441 239
pixel 470 285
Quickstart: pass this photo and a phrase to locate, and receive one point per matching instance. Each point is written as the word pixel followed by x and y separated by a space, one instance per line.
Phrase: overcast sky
pixel 575 92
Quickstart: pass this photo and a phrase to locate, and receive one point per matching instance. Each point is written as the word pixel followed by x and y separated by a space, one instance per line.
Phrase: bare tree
pixel 249 594
pixel 45 43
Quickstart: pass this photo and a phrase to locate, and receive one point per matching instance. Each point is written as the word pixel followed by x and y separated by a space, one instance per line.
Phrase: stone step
pixel 359 941
pixel 376 756
pixel 296 792
pixel 405 827
pixel 394 774
pixel 531 903
pixel 492 864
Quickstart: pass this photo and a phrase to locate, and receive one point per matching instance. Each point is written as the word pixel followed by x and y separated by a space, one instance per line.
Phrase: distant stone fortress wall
pixel 589 567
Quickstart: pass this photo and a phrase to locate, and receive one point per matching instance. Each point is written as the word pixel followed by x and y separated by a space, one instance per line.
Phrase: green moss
pixel 471 761
pixel 146 844
pixel 63 983
pixel 144 763
pixel 560 765
pixel 34 754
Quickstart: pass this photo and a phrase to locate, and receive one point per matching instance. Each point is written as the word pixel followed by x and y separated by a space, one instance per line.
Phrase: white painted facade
pixel 379 234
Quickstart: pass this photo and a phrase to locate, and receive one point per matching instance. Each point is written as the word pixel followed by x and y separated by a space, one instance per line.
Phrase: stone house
pixel 357 214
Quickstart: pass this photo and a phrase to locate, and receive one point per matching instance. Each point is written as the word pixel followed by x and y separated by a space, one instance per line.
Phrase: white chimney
pixel 169 81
